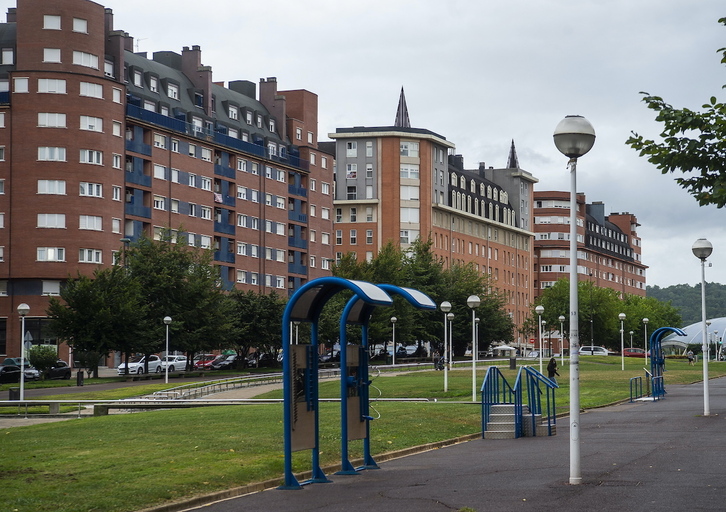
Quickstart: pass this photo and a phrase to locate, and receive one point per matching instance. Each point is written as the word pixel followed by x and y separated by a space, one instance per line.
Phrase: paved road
pixel 663 456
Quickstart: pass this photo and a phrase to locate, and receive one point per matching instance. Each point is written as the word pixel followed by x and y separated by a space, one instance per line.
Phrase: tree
pixel 43 357
pixel 257 322
pixel 692 142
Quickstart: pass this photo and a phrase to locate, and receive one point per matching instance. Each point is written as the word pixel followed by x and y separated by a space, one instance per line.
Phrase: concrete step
pixel 496 434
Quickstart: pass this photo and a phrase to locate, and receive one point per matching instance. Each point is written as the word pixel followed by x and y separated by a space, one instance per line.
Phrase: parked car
pixel 137 363
pixel 30 372
pixel 633 352
pixel 227 363
pixel 593 350
pixel 9 373
pixel 206 362
pixel 60 370
pixel 176 363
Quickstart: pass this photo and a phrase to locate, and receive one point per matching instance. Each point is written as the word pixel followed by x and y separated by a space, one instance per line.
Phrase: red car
pixel 204 362
pixel 633 352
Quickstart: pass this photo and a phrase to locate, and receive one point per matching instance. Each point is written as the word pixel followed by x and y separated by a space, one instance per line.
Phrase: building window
pixel 324 162
pixel 20 85
pixel 313 210
pixel 206 154
pixel 410 171
pixel 92 90
pixel 351 171
pixel 51 22
pixel 93 124
pixel 354 214
pixel 51 120
pixel 409 193
pixel 116 193
pixel 408 236
pixel 272 125
pixel 51 86
pixel 409 149
pixel 351 193
pixel 369 214
pixel 50 254
pixel 90 156
pixel 85 59
pixel 325 238
pixel 369 148
pixel 159 203
pixel 410 215
pixel 55 187
pixel 338 237
pixel 325 213
pixel 116 161
pixel 48 154
pixel 7 56
pixel 172 91
pixel 298 133
pixel 206 213
pixel 80 25
pixel 325 264
pixel 351 149
pixel 369 236
pixel 159 172
pixel 91 222
pixel 116 128
pixel 311 137
pixel 353 236
pixel 325 188
pixel 193 208
pixel 159 141
pixel 51 55
pixel 90 189
pixel 206 183
pixel 51 220
pixel 89 256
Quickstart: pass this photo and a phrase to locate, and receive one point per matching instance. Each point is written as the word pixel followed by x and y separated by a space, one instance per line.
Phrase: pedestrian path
pixel 662 455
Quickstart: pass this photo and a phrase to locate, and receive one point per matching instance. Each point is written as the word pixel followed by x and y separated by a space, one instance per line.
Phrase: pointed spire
pixel 512 161
pixel 402 120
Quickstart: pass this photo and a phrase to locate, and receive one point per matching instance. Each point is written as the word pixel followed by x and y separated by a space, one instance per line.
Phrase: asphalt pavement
pixel 662 455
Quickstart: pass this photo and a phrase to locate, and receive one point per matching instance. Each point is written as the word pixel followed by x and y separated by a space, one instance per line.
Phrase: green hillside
pixel 687 299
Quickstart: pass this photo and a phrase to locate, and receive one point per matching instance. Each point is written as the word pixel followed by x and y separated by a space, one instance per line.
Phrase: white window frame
pixel 90 222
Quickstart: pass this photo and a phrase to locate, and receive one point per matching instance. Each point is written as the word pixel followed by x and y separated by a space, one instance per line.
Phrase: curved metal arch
pixel 657 359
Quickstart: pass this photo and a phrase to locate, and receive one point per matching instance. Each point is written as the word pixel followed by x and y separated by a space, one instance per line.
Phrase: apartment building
pixel 609 248
pixel 100 145
pixel 401 183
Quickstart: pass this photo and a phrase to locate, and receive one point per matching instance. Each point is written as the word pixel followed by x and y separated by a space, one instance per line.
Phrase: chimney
pixel 200 76
pixel 275 104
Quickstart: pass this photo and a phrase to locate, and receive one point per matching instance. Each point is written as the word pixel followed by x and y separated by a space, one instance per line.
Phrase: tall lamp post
pixel 561 318
pixel 167 321
pixel 645 339
pixel 450 317
pixel 574 136
pixel 631 339
pixel 393 325
pixel 445 307
pixel 702 249
pixel 621 316
pixel 473 302
pixel 23 310
pixel 539 310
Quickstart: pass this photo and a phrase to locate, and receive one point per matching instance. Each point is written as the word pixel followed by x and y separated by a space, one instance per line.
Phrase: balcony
pixel 5 97
pixel 221 170
pixel 138 147
pixel 225 257
pixel 295 268
pixel 297 191
pixel 138 179
pixel 297 217
pixel 154 118
pixel 223 227
pixel 298 243
pixel 138 210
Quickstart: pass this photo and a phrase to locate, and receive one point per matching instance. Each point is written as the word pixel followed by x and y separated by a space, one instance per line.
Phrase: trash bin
pixel 512 363
pixel 14 394
pixel 79 378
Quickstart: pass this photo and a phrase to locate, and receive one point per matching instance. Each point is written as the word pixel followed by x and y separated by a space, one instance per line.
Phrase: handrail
pixel 494 390
pixel 636 388
pixel 658 387
pixel 533 382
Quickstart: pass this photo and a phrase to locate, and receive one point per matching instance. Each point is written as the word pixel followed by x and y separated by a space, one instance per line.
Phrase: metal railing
pixel 636 388
pixel 494 390
pixel 534 382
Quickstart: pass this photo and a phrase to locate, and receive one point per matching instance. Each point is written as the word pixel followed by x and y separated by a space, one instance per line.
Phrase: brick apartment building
pixel 400 183
pixel 609 249
pixel 100 145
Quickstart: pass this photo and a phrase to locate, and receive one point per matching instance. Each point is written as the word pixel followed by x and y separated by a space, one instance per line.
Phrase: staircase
pixel 504 413
pixel 502 423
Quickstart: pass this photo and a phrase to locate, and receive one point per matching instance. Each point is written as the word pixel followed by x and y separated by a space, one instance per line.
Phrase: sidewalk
pixel 661 455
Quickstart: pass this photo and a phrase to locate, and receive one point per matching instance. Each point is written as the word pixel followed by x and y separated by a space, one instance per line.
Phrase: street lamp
pixel 445 308
pixel 473 302
pixel 621 316
pixel 539 310
pixel 450 317
pixel 23 310
pixel 296 323
pixel 574 136
pixel 562 338
pixel 702 249
pixel 167 321
pixel 393 325
pixel 645 341
pixel 631 339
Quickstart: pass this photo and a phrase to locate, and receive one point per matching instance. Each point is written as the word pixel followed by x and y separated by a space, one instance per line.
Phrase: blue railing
pixel 223 170
pixel 223 227
pixel 296 268
pixel 227 257
pixel 299 243
pixel 297 217
pixel 5 97
pixel 138 147
pixel 495 390
pixel 139 211
pixel 138 179
pixel 658 387
pixel 297 191
pixel 534 382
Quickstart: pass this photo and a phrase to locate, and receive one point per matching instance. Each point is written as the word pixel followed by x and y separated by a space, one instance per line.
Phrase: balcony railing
pixel 297 242
pixel 138 179
pixel 221 170
pixel 138 147
pixel 295 268
pixel 138 210
pixel 223 227
pixel 297 217
pixel 297 191
pixel 226 257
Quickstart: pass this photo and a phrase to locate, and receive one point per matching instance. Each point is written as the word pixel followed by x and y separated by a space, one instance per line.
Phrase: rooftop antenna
pixel 139 40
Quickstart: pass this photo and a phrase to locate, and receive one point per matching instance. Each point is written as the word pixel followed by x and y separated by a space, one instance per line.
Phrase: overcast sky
pixel 482 73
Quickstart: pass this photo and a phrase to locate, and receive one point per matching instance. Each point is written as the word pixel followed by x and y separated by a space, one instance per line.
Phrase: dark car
pixel 60 370
pixel 9 373
pixel 633 352
pixel 227 363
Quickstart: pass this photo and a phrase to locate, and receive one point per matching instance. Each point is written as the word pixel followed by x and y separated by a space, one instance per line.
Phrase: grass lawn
pixel 130 461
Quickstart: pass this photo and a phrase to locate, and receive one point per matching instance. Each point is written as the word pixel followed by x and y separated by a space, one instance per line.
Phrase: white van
pixel 593 350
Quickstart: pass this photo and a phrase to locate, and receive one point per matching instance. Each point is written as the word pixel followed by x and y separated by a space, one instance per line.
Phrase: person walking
pixel 552 370
pixel 690 357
